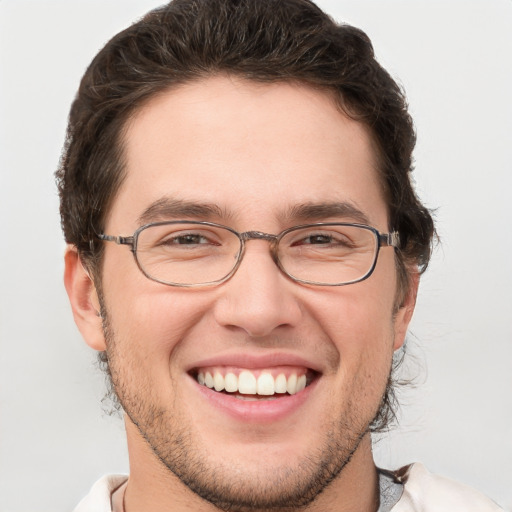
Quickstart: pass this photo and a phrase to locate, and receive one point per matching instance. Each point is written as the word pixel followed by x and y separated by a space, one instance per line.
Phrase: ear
pixel 405 311
pixel 84 300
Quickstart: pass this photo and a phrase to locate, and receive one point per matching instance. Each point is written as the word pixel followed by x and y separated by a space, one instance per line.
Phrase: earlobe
pixel 84 300
pixel 404 314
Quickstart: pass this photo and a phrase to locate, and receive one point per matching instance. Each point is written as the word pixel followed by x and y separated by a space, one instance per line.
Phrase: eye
pixel 328 239
pixel 186 239
pixel 180 237
pixel 317 239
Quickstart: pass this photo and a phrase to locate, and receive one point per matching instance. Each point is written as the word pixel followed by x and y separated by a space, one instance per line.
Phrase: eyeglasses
pixel 190 253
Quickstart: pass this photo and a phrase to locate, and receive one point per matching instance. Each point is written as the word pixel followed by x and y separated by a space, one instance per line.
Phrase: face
pixel 249 156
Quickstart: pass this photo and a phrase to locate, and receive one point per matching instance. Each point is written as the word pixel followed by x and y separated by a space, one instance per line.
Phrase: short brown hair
pixel 264 41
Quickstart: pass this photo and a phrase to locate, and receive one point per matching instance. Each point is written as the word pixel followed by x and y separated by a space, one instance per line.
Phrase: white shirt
pixel 425 492
pixel 422 492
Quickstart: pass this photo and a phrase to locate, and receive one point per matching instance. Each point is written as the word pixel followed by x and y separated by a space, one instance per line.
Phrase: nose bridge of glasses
pixel 259 235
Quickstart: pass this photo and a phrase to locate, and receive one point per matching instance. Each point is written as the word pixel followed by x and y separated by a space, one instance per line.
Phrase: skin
pixel 256 151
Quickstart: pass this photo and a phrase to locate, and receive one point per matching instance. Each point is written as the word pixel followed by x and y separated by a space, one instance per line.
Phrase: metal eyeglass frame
pixel 383 240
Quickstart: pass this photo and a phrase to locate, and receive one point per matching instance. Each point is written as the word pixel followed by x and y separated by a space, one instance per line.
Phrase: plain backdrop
pixel 454 60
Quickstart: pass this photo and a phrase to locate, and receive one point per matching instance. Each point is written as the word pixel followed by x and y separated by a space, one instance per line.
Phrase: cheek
pixel 149 320
pixel 144 350
pixel 358 320
pixel 357 317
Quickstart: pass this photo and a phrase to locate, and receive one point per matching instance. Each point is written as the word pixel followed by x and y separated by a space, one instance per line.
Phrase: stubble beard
pixel 231 487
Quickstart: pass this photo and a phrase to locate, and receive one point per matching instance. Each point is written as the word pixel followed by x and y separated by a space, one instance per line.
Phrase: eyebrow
pixel 311 212
pixel 167 208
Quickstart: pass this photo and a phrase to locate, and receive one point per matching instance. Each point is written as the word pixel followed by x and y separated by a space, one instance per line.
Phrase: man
pixel 255 159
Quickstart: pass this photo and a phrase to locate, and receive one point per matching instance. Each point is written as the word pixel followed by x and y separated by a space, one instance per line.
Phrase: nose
pixel 258 299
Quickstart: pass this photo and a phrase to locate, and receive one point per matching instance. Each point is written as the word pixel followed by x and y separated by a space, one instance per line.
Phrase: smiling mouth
pixel 263 384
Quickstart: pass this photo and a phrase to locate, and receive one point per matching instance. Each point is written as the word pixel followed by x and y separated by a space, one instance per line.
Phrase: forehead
pixel 248 149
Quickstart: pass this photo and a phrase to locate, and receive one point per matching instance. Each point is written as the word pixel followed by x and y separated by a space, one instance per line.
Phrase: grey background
pixel 454 59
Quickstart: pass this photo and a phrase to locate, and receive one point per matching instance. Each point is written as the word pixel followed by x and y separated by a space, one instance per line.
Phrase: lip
pixel 256 361
pixel 258 411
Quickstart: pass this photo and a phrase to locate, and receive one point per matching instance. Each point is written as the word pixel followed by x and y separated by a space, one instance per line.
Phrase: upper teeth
pixel 246 383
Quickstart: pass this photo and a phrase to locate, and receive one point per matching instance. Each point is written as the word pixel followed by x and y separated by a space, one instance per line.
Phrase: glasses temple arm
pixel 119 240
pixel 390 239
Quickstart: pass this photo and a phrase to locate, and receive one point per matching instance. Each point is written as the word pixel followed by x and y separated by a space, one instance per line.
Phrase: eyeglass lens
pixel 188 254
